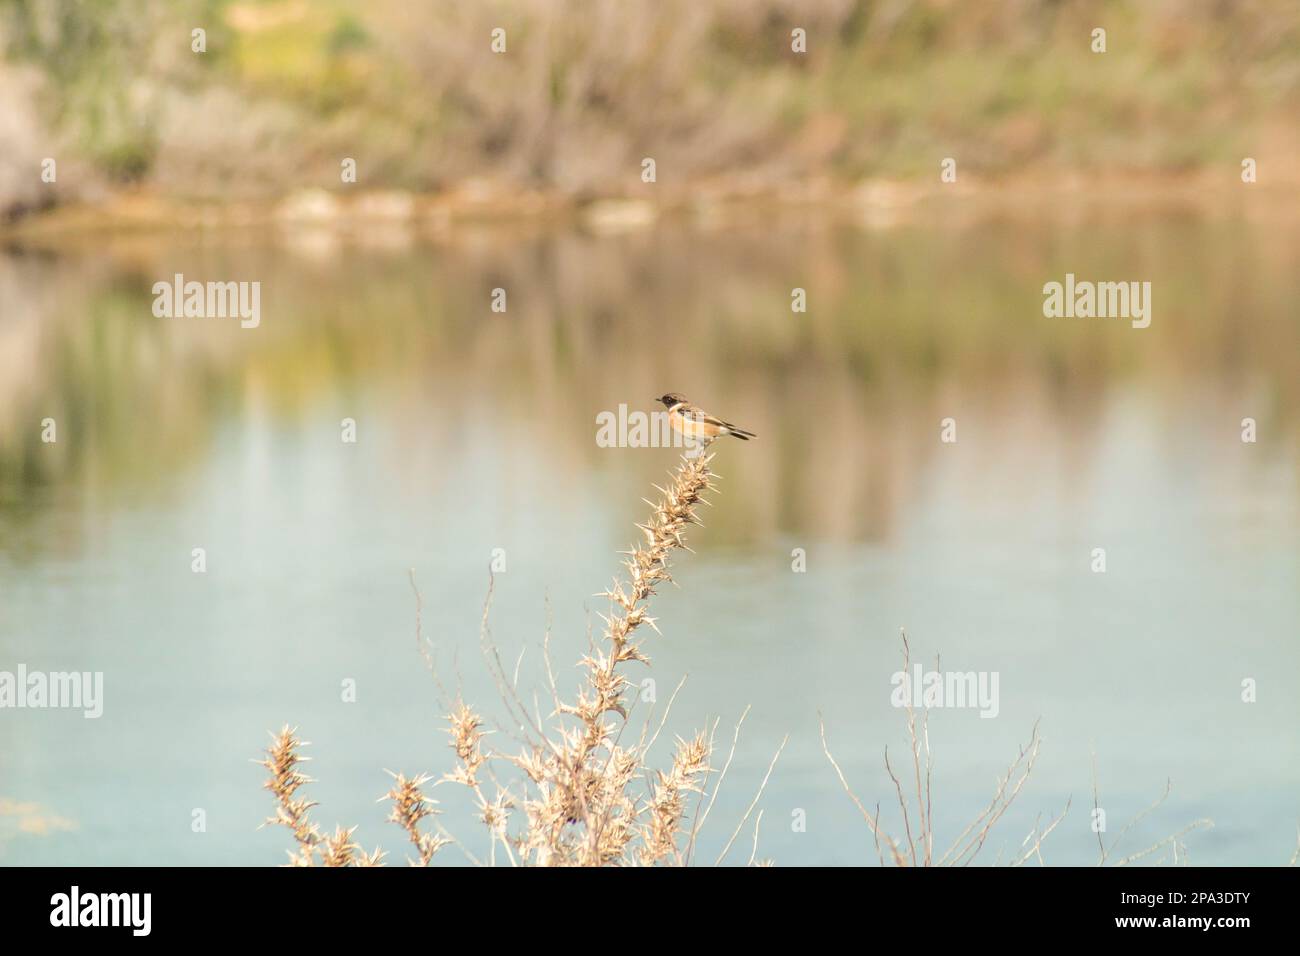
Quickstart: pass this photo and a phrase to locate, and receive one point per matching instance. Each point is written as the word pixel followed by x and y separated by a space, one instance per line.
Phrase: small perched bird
pixel 694 422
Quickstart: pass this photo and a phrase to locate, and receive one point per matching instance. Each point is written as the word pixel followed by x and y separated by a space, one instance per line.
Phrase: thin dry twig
pixel 753 803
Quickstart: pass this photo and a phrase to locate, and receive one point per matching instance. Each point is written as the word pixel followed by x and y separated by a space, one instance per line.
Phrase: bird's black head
pixel 671 399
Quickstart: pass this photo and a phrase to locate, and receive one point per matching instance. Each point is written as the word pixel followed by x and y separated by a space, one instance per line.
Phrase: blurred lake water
pixel 476 431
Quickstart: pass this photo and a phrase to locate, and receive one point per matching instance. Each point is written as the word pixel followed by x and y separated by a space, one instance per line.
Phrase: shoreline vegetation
pixel 875 204
pixel 302 113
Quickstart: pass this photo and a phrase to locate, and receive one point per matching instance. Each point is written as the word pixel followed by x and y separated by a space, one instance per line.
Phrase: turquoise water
pixel 476 432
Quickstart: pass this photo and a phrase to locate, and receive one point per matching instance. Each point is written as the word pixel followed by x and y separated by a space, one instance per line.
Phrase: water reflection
pixel 476 430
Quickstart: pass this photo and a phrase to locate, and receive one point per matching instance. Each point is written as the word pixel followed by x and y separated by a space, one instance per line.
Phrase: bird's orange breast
pixel 693 427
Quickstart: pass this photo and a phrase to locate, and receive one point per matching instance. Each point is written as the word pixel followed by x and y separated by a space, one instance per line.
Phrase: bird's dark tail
pixel 740 433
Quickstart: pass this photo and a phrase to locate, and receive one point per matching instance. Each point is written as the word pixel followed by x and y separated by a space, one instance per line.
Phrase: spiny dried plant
pixel 582 812
pixel 294 811
pixel 647 566
pixel 667 806
pixel 410 806
pixel 578 782
pixel 579 804
pixel 339 849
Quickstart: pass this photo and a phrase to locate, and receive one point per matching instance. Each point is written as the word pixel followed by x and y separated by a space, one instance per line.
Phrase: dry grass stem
pixel 918 848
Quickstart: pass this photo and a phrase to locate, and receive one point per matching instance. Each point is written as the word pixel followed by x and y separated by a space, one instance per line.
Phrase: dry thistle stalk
pixel 466 740
pixel 584 779
pixel 464 728
pixel 338 848
pixel 668 805
pixel 577 777
pixel 282 760
pixel 292 811
pixel 410 806
pixel 647 566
